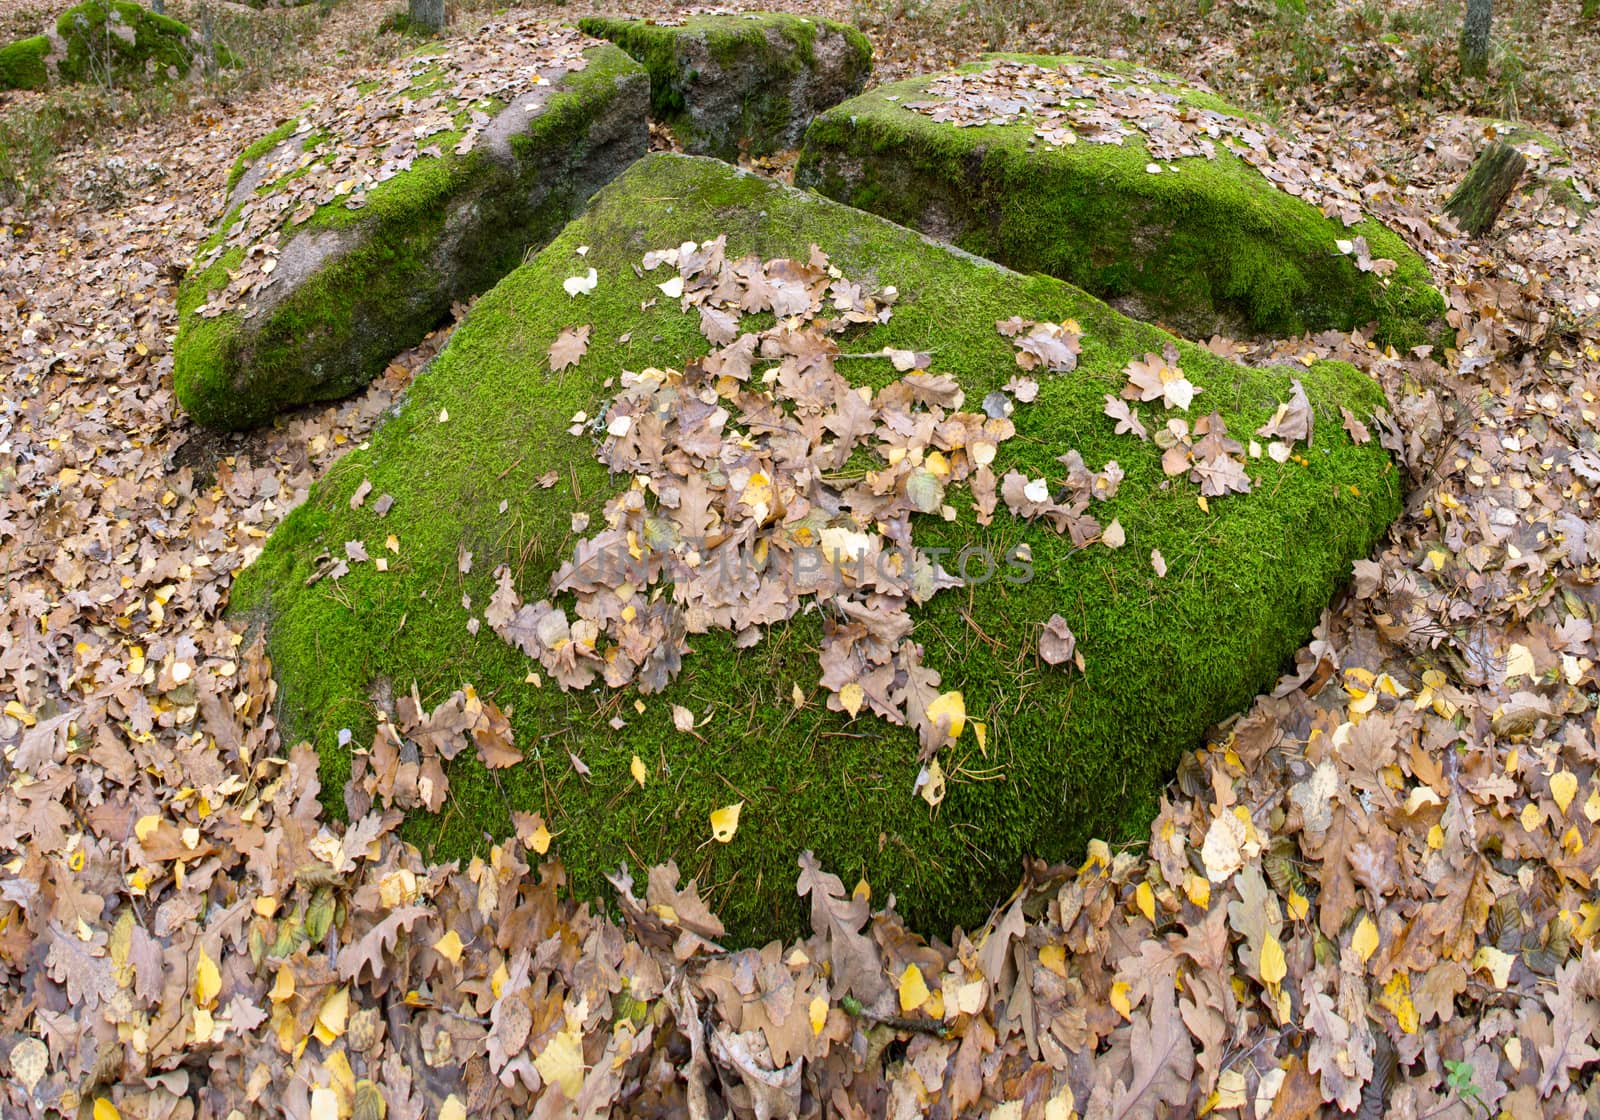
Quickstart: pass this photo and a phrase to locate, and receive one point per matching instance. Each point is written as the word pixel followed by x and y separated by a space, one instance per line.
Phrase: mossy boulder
pixel 22 64
pixel 101 40
pixel 1143 191
pixel 339 249
pixel 748 83
pixel 484 458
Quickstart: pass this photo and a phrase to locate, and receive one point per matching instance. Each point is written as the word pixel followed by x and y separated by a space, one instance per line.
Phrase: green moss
pixel 1211 245
pixel 22 64
pixel 340 327
pixel 1069 756
pixel 776 47
pixel 255 151
pixel 160 45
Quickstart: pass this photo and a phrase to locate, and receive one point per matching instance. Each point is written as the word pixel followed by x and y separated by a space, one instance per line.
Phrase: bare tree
pixel 1474 52
pixel 428 15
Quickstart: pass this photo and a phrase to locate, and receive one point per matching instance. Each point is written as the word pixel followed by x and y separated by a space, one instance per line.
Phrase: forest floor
pixel 1374 889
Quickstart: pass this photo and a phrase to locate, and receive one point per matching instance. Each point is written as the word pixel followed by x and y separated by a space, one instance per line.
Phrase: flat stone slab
pixel 351 230
pixel 98 38
pixel 682 575
pixel 748 83
pixel 1162 199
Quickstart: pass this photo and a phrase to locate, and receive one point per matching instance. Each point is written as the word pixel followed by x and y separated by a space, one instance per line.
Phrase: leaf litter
pixel 1373 889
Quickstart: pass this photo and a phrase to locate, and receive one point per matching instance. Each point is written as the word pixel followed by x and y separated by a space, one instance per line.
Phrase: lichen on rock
pixel 748 83
pixel 349 231
pixel 1156 196
pixel 532 445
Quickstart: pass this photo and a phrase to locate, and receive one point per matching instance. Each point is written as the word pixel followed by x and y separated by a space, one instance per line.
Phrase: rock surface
pixel 1157 197
pixel 98 41
pixel 747 83
pixel 350 231
pixel 489 482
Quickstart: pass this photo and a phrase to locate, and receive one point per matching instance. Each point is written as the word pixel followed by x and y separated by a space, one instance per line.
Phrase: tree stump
pixel 1492 177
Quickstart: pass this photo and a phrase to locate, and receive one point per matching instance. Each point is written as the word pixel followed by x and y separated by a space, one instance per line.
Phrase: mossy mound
pixel 480 460
pixel 1203 242
pixel 325 266
pixel 747 83
pixel 105 40
pixel 22 64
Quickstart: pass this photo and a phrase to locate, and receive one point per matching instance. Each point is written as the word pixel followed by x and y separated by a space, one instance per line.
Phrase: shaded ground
pixel 1375 887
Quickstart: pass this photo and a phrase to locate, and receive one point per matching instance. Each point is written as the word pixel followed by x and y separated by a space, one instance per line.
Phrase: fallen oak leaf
pixel 570 345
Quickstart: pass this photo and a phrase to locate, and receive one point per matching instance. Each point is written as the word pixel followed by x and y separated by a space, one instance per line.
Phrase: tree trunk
pixel 1493 176
pixel 427 15
pixel 1474 53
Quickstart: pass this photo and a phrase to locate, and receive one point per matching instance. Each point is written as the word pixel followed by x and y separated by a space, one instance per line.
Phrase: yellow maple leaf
pixel 725 822
pixel 561 1062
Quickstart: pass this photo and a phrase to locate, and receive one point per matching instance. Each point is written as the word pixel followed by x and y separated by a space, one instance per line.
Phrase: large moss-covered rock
pixel 22 64
pixel 747 83
pixel 493 454
pixel 101 40
pixel 1155 196
pixel 349 231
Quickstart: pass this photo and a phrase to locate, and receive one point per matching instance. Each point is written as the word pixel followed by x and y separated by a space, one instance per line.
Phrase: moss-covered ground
pixel 1069 755
pixel 341 326
pixel 1213 245
pixel 773 46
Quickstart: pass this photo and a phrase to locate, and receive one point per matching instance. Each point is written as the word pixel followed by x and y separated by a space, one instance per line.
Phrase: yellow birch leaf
pixel 282 985
pixel 951 709
pixel 207 980
pixel 1563 787
pixel 913 989
pixel 725 822
pixel 636 768
pixel 1145 899
pixel 1274 967
pixel 1365 940
pixel 449 946
pixel 332 1015
pixel 1299 906
pixel 105 1110
pixel 1495 962
pixel 541 839
pixel 1054 957
pixel 819 1014
pixel 1119 999
pixel 851 697
pixel 1532 817
pixel 1591 807
pixel 452 1109
pixel 1396 998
